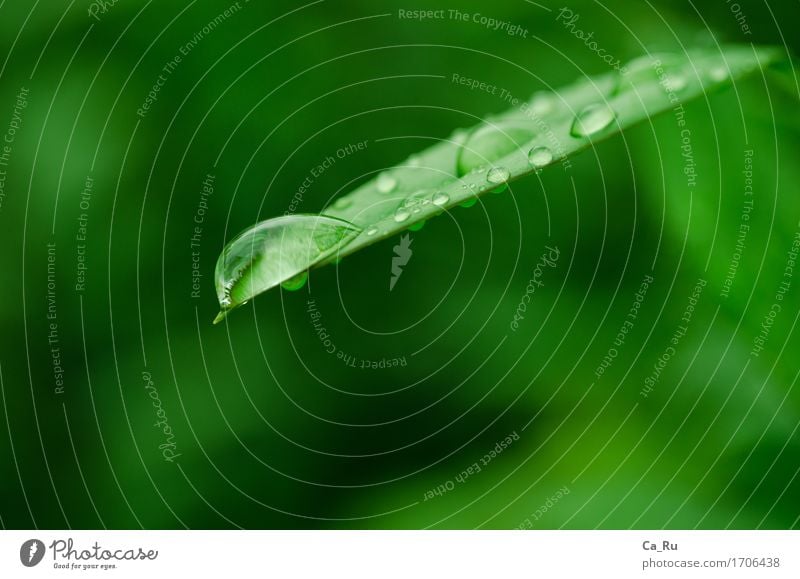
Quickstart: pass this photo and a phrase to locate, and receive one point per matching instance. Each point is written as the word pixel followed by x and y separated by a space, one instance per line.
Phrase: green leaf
pixel 273 252
pixel 532 135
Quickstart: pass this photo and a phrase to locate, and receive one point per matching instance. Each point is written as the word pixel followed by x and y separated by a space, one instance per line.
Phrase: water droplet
pixel 441 198
pixel 414 161
pixel 401 215
pixel 540 157
pixel 459 136
pixel 296 283
pixel 343 202
pixel 542 103
pixel 646 69
pixel 497 175
pixel 677 83
pixel 500 189
pixel 372 231
pixel 274 251
pixel 469 202
pixel 386 183
pixel 592 120
pixel 416 226
pixel 718 73
pixel 416 199
pixel 491 142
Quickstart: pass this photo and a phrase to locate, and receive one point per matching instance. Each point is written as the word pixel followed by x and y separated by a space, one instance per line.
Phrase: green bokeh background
pixel 275 432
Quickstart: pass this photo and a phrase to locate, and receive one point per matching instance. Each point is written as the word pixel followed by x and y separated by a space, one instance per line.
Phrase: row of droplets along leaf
pixel 470 163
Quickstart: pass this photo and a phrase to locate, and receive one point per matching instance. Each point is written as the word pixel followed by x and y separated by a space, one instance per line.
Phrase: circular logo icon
pixel 31 552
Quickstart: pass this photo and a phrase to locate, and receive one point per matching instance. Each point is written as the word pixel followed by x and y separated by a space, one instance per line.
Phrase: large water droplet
pixel 275 251
pixel 386 183
pixel 491 142
pixel 497 175
pixel 592 120
pixel 540 157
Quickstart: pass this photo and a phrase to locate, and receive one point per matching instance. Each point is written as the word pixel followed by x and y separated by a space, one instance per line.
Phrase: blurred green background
pixel 266 427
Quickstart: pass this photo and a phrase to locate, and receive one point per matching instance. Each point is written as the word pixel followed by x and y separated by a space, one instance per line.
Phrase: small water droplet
pixel 295 283
pixel 677 83
pixel 459 136
pixel 342 203
pixel 372 231
pixel 401 215
pixel 497 175
pixel 500 189
pixel 416 226
pixel 718 73
pixel 540 157
pixel 414 161
pixel 415 199
pixel 592 119
pixel 469 202
pixel 542 103
pixel 441 198
pixel 386 183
